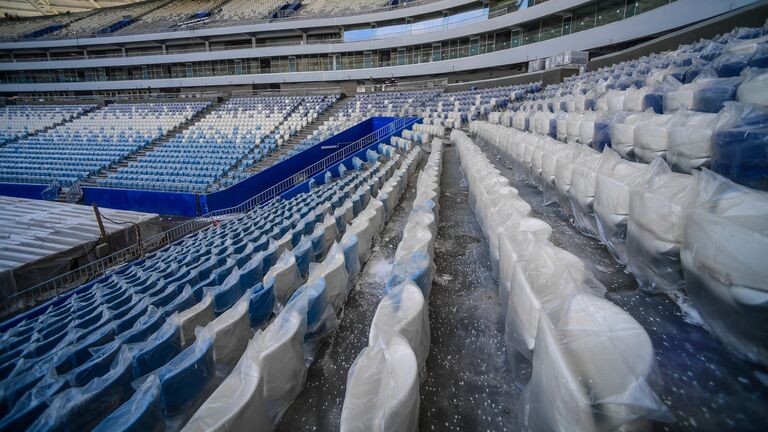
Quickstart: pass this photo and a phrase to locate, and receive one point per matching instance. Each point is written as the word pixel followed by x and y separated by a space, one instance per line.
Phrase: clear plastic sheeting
pixel 723 252
pixel 593 364
pixel 739 143
pixel 82 408
pixel 430 129
pixel 141 412
pixel 754 89
pixel 232 330
pixel 238 403
pixel 623 133
pixel 382 384
pixel 333 270
pixel 615 178
pixel 656 215
pixel 284 277
pixel 282 361
pixel 593 370
pixel 690 140
pixel 403 312
pixel 582 190
pixel 382 390
pixel 652 137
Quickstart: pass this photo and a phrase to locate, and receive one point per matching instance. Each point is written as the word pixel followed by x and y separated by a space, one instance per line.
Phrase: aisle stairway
pixel 285 150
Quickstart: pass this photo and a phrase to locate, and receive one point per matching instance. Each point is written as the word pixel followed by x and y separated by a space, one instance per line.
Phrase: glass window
pixel 551 28
pixel 610 11
pixel 584 18
pixel 359 35
pixel 635 7
pixel 474 46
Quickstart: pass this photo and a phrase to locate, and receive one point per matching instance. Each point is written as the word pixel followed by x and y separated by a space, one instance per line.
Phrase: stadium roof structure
pixel 27 8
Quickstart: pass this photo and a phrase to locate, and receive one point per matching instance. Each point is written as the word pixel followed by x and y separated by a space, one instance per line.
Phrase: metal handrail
pixel 29 297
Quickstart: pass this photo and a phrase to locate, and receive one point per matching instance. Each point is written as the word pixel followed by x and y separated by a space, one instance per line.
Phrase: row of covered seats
pixel 164 18
pixel 95 141
pixel 285 348
pixel 701 232
pixel 226 142
pixel 701 105
pixel 101 19
pixel 593 365
pixel 307 112
pixel 306 314
pixel 21 120
pixel 383 383
pixel 157 304
pixel 458 108
pixel 16 28
pixel 364 106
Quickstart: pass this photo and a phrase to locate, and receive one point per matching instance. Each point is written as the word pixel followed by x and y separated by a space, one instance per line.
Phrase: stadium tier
pixel 470 215
pixel 81 148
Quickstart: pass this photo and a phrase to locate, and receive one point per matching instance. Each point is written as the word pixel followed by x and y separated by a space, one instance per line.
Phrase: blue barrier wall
pixel 33 191
pixel 165 203
pixel 190 204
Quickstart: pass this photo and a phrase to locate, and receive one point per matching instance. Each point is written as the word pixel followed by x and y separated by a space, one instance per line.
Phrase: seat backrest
pixel 141 413
pixel 282 361
pixel 82 408
pixel 232 330
pixel 402 312
pixel 161 347
pixel 187 377
pixel 238 403
pixel 382 389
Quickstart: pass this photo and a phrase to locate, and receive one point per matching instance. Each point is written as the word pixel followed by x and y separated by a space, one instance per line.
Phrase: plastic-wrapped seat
pixel 656 215
pixel 723 252
pixel 593 370
pixel 141 413
pixel 97 366
pixel 363 229
pixel 82 408
pixel 382 390
pixel 282 361
pixel 261 305
pixel 32 404
pixel 403 311
pixel 238 403
pixel 231 330
pixel 186 379
pixel 582 190
pixel 198 315
pixel 614 181
pixel 651 137
pixel 311 299
pixel 739 143
pixel 323 236
pixel 754 88
pixel 540 276
pixel 690 140
pixel 284 277
pixel 162 346
pixel 333 270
